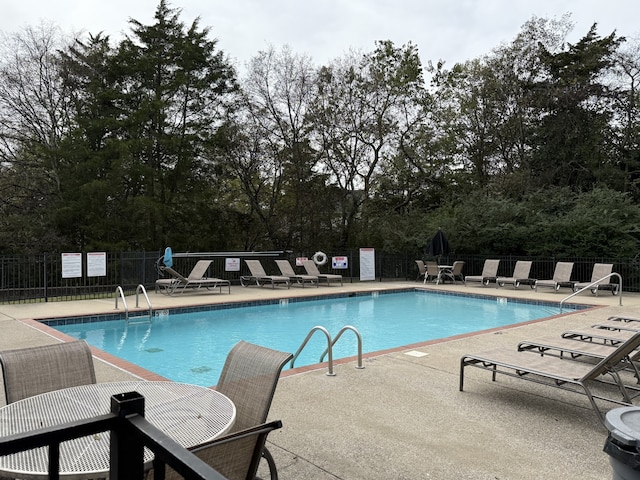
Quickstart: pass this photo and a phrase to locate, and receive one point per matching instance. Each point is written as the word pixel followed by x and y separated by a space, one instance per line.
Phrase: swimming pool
pixel 191 347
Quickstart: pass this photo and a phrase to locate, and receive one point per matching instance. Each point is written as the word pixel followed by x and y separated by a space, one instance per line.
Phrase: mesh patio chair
pixel 456 272
pixel 235 456
pixel 31 371
pixel 249 378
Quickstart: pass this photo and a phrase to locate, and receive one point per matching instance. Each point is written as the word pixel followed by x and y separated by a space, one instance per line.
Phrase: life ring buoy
pixel 319 258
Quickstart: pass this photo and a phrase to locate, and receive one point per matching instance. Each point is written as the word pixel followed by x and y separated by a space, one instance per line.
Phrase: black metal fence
pixel 33 278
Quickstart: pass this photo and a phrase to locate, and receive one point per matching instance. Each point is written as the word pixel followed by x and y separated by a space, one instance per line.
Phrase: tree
pixel 148 114
pixel 573 101
pixel 34 117
pixel 361 103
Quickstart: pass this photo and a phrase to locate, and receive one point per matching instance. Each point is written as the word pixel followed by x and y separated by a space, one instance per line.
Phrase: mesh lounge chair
pixel 561 277
pixel 249 378
pixel 195 280
pixel 311 269
pixel 489 273
pixel 576 349
pixel 557 372
pixel 260 277
pixel 600 270
pixel 235 456
pixel 32 371
pixel 287 270
pixel 520 275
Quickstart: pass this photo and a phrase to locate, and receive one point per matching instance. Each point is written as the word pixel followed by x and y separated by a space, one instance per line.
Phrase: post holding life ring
pixel 319 258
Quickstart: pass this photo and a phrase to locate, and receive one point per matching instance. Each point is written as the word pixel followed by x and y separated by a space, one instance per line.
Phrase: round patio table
pixel 189 414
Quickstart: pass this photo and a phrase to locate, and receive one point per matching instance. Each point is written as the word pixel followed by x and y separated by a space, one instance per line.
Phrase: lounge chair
pixel 489 273
pixel 422 269
pixel 561 277
pixel 455 273
pixel 519 276
pixel 195 280
pixel 601 335
pixel 31 371
pixel 600 270
pixel 576 349
pixel 287 270
pixel 312 269
pixel 557 372
pixel 260 277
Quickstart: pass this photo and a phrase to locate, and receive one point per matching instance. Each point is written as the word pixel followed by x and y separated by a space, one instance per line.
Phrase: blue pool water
pixel 192 347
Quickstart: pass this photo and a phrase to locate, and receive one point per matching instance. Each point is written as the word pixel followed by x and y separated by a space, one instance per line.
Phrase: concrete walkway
pixel 402 416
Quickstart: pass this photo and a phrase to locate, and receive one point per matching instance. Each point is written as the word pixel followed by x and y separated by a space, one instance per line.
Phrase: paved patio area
pixel 402 417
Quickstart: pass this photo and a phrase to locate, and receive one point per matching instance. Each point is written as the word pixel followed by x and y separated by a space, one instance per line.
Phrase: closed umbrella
pixel 439 245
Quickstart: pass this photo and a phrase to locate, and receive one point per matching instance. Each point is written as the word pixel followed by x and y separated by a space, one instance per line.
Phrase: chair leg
pixel 271 462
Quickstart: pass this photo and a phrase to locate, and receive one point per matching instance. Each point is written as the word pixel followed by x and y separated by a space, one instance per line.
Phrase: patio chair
pixel 287 270
pixel 600 271
pixel 488 275
pixel 557 372
pixel 519 276
pixel 260 277
pixel 455 273
pixel 422 269
pixel 31 371
pixel 432 271
pixel 235 456
pixel 561 277
pixel 195 280
pixel 312 269
pixel 249 378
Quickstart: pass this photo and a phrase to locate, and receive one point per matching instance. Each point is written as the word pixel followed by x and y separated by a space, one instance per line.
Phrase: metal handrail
pixel 140 288
pixel 592 284
pixel 120 293
pixel 306 340
pixel 358 337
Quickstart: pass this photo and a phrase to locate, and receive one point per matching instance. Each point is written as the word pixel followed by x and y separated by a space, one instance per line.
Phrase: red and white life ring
pixel 319 258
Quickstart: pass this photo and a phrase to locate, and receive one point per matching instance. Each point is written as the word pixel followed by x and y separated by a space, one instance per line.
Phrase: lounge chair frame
pixel 561 278
pixel 260 278
pixel 489 273
pixel 600 271
pixel 195 281
pixel 312 269
pixel 556 372
pixel 520 276
pixel 287 270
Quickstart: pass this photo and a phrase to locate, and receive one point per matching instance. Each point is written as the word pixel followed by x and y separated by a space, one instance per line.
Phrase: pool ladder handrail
pixel 593 284
pixel 139 289
pixel 330 344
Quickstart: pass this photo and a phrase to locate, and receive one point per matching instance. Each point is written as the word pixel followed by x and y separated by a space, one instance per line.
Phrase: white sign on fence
pixel 367 264
pixel 96 264
pixel 71 265
pixel 232 264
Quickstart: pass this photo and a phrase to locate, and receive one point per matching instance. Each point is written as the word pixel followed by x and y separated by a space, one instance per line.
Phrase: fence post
pixel 46 276
pixel 127 452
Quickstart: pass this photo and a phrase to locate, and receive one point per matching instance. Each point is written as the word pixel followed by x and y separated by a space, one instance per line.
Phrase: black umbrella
pixel 439 245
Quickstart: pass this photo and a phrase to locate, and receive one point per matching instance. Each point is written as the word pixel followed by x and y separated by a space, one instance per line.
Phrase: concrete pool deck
pixel 402 416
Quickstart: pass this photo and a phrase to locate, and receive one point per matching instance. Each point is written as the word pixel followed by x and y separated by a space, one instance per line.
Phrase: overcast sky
pixel 451 30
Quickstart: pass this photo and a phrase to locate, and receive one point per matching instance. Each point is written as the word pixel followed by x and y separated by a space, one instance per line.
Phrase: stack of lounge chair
pixel 599 362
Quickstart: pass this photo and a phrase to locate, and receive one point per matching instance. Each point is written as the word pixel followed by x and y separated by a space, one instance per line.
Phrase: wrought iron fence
pixel 33 278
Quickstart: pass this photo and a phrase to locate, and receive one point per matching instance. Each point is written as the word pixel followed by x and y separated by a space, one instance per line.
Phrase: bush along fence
pixel 58 277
